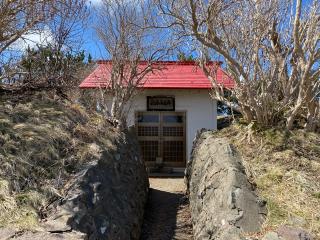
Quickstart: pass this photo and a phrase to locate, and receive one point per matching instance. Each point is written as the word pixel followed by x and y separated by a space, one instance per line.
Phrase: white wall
pixel 201 110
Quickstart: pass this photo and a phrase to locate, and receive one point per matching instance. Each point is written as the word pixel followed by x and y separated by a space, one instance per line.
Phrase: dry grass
pixel 42 144
pixel 285 166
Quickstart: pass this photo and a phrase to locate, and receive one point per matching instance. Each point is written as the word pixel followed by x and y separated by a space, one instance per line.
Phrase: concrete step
pixel 166 172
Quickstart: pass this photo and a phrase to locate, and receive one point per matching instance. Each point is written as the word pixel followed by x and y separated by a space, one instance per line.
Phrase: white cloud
pixel 34 39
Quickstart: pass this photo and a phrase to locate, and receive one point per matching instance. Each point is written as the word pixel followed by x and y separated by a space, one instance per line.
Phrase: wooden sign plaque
pixel 160 103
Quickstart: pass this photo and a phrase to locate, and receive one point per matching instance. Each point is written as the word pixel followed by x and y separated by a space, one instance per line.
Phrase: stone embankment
pixel 223 202
pixel 104 201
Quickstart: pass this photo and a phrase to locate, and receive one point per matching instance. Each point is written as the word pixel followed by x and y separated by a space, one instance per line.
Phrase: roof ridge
pixel 164 62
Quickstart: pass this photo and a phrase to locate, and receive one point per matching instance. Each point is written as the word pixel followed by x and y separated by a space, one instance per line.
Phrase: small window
pixel 148 118
pixel 173 119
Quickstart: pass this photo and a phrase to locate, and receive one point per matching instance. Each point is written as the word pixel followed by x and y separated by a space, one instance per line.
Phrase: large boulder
pixel 223 202
pixel 104 201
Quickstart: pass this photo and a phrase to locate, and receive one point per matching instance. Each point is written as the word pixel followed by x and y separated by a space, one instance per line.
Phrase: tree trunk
pixel 293 113
pixel 248 116
pixel 114 107
pixel 290 121
pixel 313 111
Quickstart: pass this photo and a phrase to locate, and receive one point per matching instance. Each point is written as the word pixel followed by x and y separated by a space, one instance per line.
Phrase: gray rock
pixel 59 224
pixel 104 201
pixel 113 193
pixel 223 203
pixel 50 236
pixel 292 233
pixel 297 221
pixel 7 233
pixel 117 156
pixel 271 236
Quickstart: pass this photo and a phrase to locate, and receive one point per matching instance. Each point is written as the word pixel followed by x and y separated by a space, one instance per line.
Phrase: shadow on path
pixel 167 217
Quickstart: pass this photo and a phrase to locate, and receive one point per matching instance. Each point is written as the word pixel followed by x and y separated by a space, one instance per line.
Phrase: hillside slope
pixel 43 143
pixel 285 167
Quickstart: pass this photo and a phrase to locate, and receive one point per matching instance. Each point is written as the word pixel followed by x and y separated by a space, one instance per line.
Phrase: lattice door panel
pixel 149 150
pixel 162 135
pixel 173 137
pixel 148 131
pixel 173 131
pixel 173 151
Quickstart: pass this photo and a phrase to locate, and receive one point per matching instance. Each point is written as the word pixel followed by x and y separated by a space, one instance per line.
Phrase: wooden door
pixel 162 136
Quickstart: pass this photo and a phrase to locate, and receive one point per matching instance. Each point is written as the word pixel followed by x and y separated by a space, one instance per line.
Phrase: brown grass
pixel 286 169
pixel 42 144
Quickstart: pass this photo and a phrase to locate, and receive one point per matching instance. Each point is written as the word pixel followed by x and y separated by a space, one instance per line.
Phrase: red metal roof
pixel 173 75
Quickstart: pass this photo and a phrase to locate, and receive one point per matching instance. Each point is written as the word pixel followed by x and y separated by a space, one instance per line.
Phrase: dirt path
pixel 167 214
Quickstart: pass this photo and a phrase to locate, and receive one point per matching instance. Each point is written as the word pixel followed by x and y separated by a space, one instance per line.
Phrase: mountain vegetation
pixel 43 144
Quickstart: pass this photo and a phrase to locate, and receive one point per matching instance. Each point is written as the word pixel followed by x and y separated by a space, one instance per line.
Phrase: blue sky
pixel 92 43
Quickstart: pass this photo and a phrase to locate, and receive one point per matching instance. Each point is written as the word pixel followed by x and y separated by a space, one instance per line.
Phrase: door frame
pixel 161 137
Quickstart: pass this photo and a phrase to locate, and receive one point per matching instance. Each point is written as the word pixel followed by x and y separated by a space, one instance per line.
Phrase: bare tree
pixel 19 17
pixel 271 49
pixel 48 66
pixel 132 47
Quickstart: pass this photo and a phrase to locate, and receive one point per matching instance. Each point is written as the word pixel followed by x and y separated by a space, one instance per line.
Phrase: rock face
pixel 223 203
pixel 105 201
pixel 292 233
pixel 288 233
pixel 108 201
